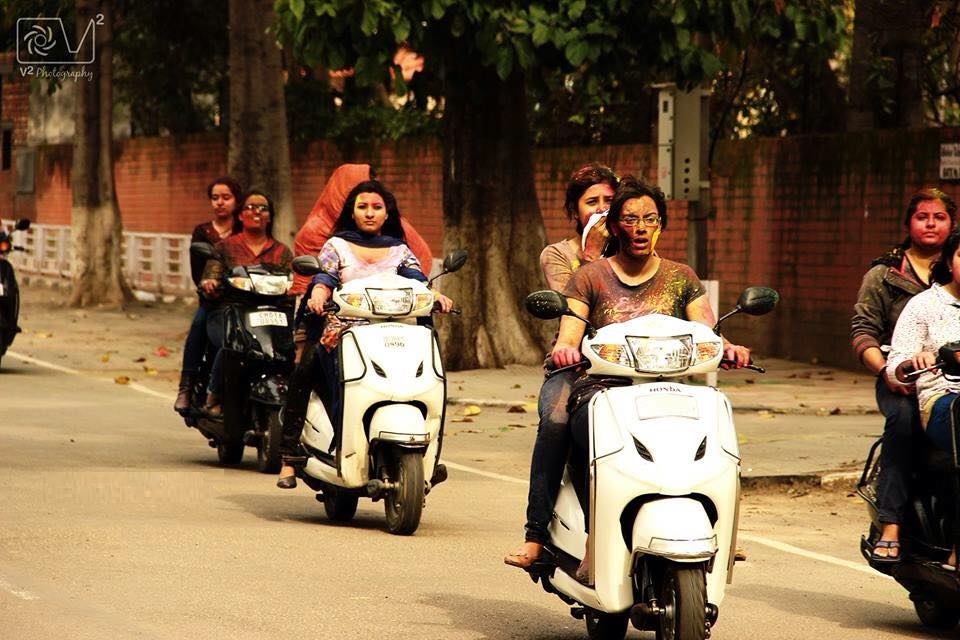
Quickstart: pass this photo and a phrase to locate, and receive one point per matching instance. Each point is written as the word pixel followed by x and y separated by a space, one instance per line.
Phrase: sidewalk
pixel 796 423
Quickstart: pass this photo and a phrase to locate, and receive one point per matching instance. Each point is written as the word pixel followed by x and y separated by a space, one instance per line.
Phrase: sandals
pixel 582 575
pixel 889 545
pixel 524 558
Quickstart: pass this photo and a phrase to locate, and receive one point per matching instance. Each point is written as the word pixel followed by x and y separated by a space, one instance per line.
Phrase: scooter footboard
pixel 675 528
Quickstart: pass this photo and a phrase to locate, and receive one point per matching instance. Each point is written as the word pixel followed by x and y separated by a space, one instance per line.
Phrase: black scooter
pixel 258 354
pixel 9 291
pixel 931 526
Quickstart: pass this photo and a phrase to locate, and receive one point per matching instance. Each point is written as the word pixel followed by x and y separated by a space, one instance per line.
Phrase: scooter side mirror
pixel 949 356
pixel 546 304
pixel 306 265
pixel 454 260
pixel 201 250
pixel 22 224
pixel 757 301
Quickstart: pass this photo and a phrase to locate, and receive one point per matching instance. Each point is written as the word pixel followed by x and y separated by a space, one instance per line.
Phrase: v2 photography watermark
pixel 46 50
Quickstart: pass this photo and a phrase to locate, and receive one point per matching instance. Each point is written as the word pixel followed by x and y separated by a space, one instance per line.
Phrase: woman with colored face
pixel 891 282
pixel 634 281
pixel 224 195
pixel 928 321
pixel 367 239
pixel 250 244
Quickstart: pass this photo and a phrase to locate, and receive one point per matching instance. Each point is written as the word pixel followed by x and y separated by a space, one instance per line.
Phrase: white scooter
pixel 393 389
pixel 664 480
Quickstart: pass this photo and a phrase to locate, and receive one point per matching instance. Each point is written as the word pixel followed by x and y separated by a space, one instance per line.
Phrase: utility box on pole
pixel 682 143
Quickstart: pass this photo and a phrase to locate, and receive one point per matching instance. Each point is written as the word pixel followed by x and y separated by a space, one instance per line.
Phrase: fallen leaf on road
pixel 105 357
pixel 516 386
pixel 766 415
pixel 517 408
pixel 140 359
pixel 150 371
pixel 462 420
pixel 749 380
pixel 44 335
pixel 471 410
pixel 517 426
pixel 122 380
pixel 469 431
pixel 741 555
pixel 835 411
pixel 161 352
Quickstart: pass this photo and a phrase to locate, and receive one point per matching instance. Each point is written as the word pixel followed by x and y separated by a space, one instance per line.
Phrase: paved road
pixel 117 523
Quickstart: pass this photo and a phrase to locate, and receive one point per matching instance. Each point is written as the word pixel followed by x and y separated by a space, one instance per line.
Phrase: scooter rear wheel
pixel 339 505
pixel 606 626
pixel 231 453
pixel 404 505
pixel 683 596
pixel 936 615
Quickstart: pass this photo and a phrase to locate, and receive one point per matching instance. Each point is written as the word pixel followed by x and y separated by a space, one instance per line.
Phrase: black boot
pixel 182 404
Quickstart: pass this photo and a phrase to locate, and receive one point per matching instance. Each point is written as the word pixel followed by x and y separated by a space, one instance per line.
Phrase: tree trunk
pixel 888 33
pixel 259 154
pixel 95 217
pixel 490 209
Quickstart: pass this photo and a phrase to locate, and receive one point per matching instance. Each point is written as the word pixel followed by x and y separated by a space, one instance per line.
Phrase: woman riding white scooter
pixel 367 239
pixel 634 281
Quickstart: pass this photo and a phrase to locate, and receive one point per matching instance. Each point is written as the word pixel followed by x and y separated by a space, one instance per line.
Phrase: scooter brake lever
pixel 583 363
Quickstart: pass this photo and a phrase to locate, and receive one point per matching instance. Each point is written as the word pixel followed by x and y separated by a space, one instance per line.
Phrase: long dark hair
pixel 941 271
pixel 582 179
pixel 238 226
pixel 391 227
pixel 628 189
pixel 926 195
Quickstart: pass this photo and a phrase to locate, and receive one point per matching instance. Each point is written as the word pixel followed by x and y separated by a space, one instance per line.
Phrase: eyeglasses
pixel 259 208
pixel 648 220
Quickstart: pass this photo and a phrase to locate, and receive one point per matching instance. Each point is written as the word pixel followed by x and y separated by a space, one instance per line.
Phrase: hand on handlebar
pixel 443 304
pixel 565 356
pixel 735 356
pixel 209 287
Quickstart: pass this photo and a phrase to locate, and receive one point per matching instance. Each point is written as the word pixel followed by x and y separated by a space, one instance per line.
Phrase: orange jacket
pixel 323 216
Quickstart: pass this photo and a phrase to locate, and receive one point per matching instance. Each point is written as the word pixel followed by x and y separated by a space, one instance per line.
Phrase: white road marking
pixel 49 365
pixel 486 474
pixel 23 594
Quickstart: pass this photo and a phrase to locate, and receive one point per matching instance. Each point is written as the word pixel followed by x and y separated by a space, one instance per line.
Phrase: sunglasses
pixel 259 208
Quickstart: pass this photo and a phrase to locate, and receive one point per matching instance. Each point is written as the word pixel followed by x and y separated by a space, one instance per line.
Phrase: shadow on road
pixel 848 612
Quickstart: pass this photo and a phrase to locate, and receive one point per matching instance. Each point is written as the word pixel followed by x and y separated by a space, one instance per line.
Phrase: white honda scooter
pixel 393 390
pixel 664 480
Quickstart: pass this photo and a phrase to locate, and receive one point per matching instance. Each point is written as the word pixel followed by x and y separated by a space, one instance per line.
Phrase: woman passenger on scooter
pixel 588 196
pixel 252 243
pixel 634 281
pixel 930 320
pixel 224 194
pixel 367 239
pixel 892 281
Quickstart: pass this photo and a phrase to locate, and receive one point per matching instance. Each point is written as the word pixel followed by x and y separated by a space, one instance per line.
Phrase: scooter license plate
pixel 268 319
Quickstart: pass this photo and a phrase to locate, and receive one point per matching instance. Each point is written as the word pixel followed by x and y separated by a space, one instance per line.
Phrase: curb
pixel 825 479
pixel 847 411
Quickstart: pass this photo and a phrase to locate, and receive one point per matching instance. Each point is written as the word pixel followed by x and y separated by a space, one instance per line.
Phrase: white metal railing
pixel 154 262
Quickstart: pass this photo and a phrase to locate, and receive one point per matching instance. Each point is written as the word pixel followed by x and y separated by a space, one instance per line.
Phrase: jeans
pixel 215 319
pixel 580 456
pixel 196 342
pixel 939 425
pixel 896 456
pixel 549 454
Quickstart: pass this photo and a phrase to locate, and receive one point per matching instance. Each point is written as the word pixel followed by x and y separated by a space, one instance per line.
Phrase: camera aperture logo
pixel 45 50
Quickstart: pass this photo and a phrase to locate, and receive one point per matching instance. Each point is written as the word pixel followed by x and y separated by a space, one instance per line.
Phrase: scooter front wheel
pixel 230 453
pixel 683 596
pixel 404 504
pixel 268 449
pixel 606 626
pixel 936 615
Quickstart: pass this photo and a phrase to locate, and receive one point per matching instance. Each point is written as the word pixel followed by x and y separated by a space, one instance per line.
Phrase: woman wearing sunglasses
pixel 252 243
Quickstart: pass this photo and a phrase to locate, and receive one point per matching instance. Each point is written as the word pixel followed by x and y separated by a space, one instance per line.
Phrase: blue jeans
pixel 940 425
pixel 196 342
pixel 901 428
pixel 549 454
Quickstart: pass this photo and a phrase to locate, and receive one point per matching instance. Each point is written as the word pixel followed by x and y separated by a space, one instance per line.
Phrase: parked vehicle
pixel 664 480
pixel 258 355
pixel 9 291
pixel 386 444
pixel 931 527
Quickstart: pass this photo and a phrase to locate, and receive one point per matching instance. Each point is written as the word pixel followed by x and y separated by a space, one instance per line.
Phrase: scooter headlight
pixel 270 285
pixel 240 282
pixel 615 353
pixel 662 355
pixel 391 302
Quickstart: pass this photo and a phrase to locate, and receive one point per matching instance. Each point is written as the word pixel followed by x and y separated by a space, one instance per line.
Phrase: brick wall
pixel 805 215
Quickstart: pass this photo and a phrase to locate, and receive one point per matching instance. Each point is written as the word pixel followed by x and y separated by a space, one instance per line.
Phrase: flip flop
pixel 889 545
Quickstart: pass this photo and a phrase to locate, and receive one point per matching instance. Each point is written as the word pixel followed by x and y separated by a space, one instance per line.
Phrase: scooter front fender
pixel 401 424
pixel 674 528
